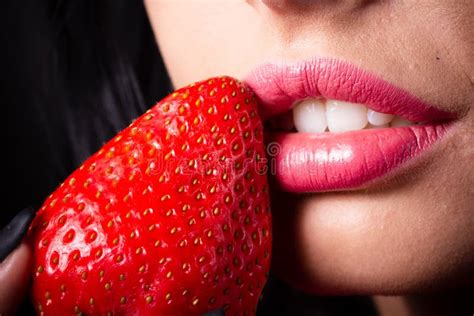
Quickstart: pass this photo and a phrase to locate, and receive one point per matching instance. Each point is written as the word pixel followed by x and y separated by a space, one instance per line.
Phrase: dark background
pixel 74 73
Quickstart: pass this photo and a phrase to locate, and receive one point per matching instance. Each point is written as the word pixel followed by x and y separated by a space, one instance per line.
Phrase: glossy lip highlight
pixel 326 162
pixel 323 162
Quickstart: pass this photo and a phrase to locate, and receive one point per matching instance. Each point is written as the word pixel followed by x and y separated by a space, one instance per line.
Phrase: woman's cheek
pixel 200 39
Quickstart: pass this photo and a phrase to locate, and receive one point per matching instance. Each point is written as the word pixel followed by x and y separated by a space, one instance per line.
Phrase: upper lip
pixel 279 85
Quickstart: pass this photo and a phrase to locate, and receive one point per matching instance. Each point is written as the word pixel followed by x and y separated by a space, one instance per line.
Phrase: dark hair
pixel 74 73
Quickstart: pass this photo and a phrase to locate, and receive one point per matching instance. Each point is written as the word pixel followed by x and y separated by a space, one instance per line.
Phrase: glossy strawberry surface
pixel 171 217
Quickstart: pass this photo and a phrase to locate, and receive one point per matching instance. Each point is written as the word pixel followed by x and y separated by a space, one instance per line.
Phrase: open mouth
pixel 320 115
pixel 333 126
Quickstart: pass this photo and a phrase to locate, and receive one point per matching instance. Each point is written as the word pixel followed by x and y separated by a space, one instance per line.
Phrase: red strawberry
pixel 171 217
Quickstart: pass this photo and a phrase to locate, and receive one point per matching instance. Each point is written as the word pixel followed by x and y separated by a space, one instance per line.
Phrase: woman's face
pixel 409 230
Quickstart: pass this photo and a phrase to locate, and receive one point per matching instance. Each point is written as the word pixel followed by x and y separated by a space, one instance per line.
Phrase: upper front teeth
pixel 310 116
pixel 344 116
pixel 317 115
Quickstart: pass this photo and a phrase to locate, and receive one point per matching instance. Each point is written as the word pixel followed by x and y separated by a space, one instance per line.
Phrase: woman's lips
pixel 304 162
pixel 322 162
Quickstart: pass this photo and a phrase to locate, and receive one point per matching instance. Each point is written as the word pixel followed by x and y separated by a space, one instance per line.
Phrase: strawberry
pixel 170 217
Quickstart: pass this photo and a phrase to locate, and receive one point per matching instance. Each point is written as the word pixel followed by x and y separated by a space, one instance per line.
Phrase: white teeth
pixel 345 116
pixel 377 118
pixel 310 117
pixel 398 122
pixel 320 115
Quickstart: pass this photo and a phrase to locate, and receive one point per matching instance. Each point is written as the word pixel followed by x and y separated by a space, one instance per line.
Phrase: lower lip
pixel 305 163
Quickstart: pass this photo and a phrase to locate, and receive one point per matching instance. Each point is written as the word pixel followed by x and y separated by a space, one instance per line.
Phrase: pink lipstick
pixel 315 162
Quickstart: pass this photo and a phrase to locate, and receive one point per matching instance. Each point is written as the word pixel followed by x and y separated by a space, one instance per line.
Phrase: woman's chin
pixel 359 244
